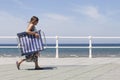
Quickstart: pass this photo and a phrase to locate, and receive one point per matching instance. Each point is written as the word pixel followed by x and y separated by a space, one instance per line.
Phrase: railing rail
pixel 89 38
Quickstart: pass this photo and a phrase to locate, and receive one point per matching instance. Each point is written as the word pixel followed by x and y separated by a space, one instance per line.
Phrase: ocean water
pixel 67 52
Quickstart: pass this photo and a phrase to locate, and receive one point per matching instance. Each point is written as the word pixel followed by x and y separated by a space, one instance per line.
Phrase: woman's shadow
pixel 44 68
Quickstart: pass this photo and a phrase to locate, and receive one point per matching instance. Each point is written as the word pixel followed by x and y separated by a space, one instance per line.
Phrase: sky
pixel 61 17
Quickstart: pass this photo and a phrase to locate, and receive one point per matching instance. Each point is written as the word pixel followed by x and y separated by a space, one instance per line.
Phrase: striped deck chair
pixel 29 44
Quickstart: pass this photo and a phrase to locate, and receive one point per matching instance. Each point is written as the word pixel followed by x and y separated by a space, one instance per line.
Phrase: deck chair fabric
pixel 29 44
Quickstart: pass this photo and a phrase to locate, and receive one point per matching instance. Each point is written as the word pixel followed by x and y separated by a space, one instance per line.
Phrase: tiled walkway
pixel 64 69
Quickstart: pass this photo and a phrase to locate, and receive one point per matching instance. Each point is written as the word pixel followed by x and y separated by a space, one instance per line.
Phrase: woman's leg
pixel 36 60
pixel 36 64
pixel 19 62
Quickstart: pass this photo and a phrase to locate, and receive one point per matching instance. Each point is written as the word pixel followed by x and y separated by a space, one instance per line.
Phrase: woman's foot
pixel 37 67
pixel 18 65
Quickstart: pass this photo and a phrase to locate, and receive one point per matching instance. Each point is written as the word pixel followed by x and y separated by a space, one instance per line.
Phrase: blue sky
pixel 62 17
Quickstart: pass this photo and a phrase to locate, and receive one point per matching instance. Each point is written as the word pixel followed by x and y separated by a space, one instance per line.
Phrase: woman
pixel 31 30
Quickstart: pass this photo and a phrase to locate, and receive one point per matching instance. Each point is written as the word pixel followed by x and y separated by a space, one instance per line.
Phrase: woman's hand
pixel 36 35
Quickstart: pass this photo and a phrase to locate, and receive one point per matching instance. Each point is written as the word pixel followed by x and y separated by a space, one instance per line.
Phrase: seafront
pixel 62 69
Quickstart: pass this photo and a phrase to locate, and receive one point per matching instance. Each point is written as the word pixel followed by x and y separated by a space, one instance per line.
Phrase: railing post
pixel 57 48
pixel 90 46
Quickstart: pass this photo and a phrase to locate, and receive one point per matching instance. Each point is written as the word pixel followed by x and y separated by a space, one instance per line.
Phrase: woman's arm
pixel 29 30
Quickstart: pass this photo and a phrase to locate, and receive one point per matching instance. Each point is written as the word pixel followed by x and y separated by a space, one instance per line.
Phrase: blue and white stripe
pixel 29 43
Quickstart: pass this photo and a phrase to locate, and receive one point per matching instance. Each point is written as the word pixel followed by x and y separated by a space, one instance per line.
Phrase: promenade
pixel 62 69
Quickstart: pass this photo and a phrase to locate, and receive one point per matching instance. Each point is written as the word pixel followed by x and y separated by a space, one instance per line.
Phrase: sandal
pixel 18 65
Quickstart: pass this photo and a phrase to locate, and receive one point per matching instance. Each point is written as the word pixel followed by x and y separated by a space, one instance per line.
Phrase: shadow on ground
pixel 43 68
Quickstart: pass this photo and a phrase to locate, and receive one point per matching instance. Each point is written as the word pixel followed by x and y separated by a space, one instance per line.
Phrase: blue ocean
pixel 66 52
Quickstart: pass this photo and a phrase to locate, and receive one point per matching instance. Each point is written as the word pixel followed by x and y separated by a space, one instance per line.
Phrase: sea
pixel 81 50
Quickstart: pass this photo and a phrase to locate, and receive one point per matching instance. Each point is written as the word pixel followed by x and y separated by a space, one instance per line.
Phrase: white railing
pixel 89 38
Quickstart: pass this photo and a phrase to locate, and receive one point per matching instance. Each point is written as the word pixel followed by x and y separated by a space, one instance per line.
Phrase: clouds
pixel 91 12
pixel 10 24
pixel 58 17
pixel 96 13
pixel 82 20
pixel 21 4
pixel 56 24
pixel 78 18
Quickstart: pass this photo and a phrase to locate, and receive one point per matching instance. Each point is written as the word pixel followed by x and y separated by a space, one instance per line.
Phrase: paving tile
pixel 64 69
